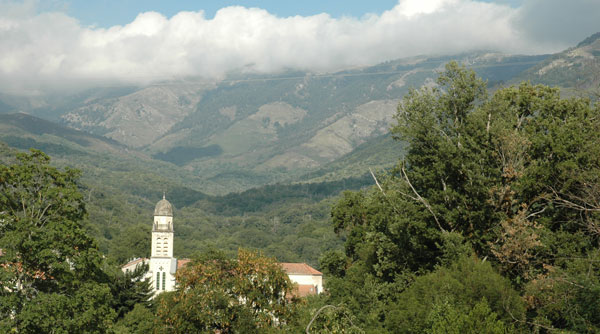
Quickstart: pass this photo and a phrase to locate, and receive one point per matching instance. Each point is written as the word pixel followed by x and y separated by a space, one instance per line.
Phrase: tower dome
pixel 163 208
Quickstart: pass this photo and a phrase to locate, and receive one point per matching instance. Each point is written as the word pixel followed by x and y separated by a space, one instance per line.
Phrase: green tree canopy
pixel 248 294
pixel 516 176
pixel 51 277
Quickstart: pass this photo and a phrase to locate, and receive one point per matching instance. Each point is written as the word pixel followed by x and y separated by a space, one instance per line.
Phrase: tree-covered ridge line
pixel 287 220
pixel 260 198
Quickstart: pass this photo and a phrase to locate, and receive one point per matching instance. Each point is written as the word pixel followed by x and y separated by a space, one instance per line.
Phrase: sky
pixel 59 45
pixel 106 13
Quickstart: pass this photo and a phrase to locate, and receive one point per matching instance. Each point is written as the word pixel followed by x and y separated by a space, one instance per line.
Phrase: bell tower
pixel 162 229
pixel 163 265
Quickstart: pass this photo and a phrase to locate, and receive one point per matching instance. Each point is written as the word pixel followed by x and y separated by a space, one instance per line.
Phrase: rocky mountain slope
pixel 266 128
pixel 249 130
pixel 576 70
pixel 139 118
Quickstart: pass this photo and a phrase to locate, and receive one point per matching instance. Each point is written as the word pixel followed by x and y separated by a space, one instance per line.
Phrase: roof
pixel 299 269
pixel 134 262
pixel 182 262
pixel 163 208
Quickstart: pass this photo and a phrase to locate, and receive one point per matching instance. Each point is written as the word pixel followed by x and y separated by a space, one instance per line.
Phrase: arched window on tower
pixel 165 246
pixel 158 245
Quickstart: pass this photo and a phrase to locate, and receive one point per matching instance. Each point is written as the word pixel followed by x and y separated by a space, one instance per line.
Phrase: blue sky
pixel 106 13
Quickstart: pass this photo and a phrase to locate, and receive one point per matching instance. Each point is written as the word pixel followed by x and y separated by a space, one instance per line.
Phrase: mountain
pixel 250 130
pixel 376 154
pixel 574 70
pixel 22 131
pixel 106 164
pixel 139 118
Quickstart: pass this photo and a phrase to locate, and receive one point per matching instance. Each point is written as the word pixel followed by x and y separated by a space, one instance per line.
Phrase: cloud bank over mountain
pixel 51 51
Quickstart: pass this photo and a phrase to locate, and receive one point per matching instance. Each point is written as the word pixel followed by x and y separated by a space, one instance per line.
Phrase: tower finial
pixel 163 194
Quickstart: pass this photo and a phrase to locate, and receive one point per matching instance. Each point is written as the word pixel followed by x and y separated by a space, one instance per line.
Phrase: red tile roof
pixel 182 262
pixel 299 269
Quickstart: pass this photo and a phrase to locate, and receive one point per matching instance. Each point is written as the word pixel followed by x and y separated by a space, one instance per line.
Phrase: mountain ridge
pixel 254 129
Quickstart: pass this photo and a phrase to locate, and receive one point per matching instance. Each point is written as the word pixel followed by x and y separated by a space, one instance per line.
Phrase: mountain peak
pixel 589 40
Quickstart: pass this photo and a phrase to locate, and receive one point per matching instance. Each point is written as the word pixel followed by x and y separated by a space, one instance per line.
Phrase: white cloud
pixel 412 8
pixel 50 51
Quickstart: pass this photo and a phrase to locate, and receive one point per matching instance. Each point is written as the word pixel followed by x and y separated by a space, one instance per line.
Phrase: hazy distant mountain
pixel 575 70
pixel 250 130
pixel 140 117
pixel 23 131
pixel 265 127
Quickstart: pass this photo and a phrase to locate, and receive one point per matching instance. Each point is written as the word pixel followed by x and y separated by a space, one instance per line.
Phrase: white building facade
pixel 308 280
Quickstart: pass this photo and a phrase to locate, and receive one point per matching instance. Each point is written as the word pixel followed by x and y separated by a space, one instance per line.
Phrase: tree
pixel 449 165
pixel 445 318
pixel 51 275
pixel 140 320
pixel 131 289
pixel 467 292
pixel 131 242
pixel 250 294
pixel 515 176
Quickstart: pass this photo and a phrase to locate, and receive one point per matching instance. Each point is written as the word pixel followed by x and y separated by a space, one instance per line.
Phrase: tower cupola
pixel 163 208
pixel 163 216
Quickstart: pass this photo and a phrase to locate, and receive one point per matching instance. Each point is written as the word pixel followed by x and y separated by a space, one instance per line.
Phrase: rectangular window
pixel 164 279
pixel 157 281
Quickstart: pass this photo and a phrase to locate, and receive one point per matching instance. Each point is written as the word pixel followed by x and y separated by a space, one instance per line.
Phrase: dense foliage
pixel 49 265
pixel 489 220
pixel 247 294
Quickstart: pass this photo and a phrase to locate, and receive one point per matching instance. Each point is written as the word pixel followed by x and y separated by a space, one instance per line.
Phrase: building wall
pixel 130 267
pixel 305 279
pixel 160 274
pixel 162 244
pixel 162 237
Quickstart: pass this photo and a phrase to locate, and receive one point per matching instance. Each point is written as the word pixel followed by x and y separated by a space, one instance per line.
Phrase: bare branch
pixel 536 213
pixel 377 182
pixel 422 200
pixel 323 308
pixel 383 192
